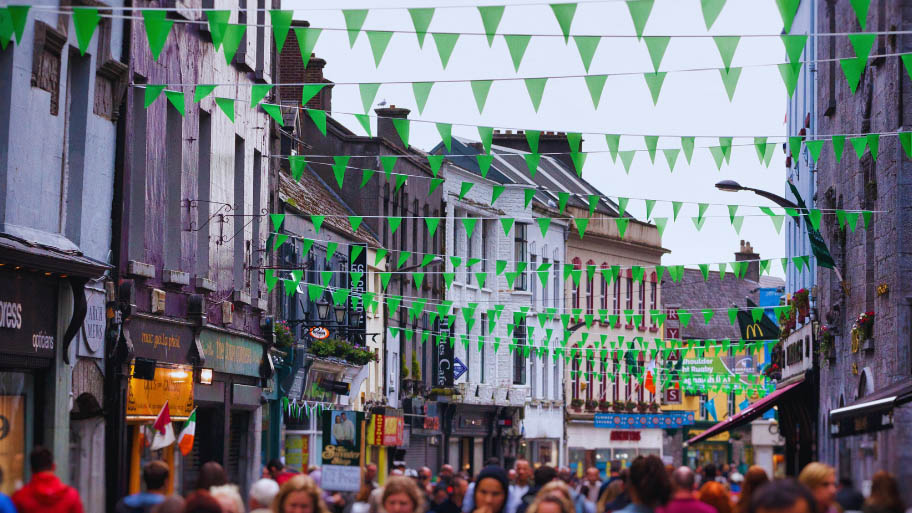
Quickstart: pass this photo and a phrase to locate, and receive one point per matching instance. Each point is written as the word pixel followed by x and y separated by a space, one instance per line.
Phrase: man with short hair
pixel 424 480
pixel 278 472
pixel 370 476
pixel 592 483
pixel 261 495
pixel 45 493
pixel 682 500
pixel 155 476
pixel 446 473
pixel 521 486
pixel 782 496
pixel 542 476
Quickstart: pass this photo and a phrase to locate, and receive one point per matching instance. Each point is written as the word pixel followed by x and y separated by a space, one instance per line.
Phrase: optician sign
pixel 28 314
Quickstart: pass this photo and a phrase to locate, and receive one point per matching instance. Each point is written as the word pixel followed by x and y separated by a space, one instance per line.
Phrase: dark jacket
pixel 619 503
pixel 45 493
pixel 139 503
pixel 527 499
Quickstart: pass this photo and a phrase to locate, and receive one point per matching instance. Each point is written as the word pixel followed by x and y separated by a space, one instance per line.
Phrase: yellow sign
pixel 721 437
pixel 145 398
pixel 754 332
pixel 12 442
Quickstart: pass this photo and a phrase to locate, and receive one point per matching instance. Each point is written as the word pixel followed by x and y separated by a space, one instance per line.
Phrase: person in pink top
pixel 682 498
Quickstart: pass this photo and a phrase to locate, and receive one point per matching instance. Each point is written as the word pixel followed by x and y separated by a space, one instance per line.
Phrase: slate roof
pixel 312 196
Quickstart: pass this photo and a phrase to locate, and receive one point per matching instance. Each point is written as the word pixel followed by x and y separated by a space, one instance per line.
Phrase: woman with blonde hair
pixel 753 479
pixel 554 502
pixel 820 479
pixel 885 496
pixel 612 492
pixel 401 495
pixel 716 495
pixel 229 498
pixel 299 494
pixel 556 487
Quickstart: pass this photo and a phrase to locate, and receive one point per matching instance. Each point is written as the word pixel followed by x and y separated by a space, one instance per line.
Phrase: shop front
pixel 543 431
pixel 470 437
pixel 29 331
pixel 385 437
pixel 422 441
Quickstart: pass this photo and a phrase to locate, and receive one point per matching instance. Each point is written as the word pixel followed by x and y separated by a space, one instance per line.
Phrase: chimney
pixel 548 142
pixel 385 128
pixel 291 70
pixel 747 253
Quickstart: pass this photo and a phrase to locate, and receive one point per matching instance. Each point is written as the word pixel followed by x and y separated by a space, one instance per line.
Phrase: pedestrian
pixel 541 477
pixel 621 501
pixel 468 504
pixel 848 497
pixel 446 472
pixel 155 477
pixel 460 487
pixel 648 485
pixel 612 491
pixel 262 494
pixel 201 501
pixel 279 472
pixel 401 495
pixel 300 494
pixel 521 485
pixel 441 500
pixel 755 478
pixel 782 496
pixel 229 497
pixel 592 480
pixel 424 480
pixel 45 493
pixel 492 490
pixel 6 505
pixel 171 504
pixel 884 496
pixel 551 503
pixel 211 474
pixel 716 495
pixel 370 476
pixel 820 479
pixel 683 481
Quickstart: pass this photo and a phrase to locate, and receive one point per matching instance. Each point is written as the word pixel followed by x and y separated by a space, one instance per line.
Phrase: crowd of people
pixel 646 486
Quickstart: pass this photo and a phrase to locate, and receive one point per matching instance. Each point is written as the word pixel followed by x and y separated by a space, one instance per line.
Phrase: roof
pixel 33 255
pixel 692 292
pixel 311 196
pixel 509 167
pixel 771 282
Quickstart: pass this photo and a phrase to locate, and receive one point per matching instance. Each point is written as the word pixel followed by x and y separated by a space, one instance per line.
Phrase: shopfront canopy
pixel 746 415
pixel 871 412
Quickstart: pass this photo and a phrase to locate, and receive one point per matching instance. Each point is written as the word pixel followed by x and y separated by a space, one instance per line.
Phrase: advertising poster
pixel 341 450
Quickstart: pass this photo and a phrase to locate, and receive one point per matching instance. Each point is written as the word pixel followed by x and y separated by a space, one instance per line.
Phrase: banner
pixel 341 450
pixel 145 397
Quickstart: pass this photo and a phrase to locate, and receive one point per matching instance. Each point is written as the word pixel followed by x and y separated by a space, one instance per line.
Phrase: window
pixel 590 289
pixel 704 412
pixel 640 388
pixel 556 380
pixel 629 304
pixel 424 233
pixel 617 297
pixel 588 379
pixel 470 254
pixel 731 404
pixel 545 284
pixel 386 211
pixel 483 346
pixel 617 380
pixel 533 266
pixel 642 305
pixel 603 380
pixel 533 373
pixel 239 209
pixel 575 299
pixel 403 230
pixel 545 378
pixel 653 298
pixel 575 383
pixel 202 188
pixel 555 285
pixel 519 254
pixel 519 361
pixel 486 226
pixel 603 304
pixel 414 244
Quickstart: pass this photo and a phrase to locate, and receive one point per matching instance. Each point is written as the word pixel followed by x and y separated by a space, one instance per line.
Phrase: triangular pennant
pixel 613 141
pixel 435 182
pixel 517 44
pixel 421 20
pixel 484 163
pixel 231 40
pixel 85 21
pixel 364 121
pixel 730 81
pixel 490 18
pixel 480 90
pixel 176 98
pixel 718 155
pixel 873 145
pixel 307 39
pixel 227 106
pixel 862 44
pixel 366 175
pixel 639 13
pixel 905 139
pixel 445 43
pixel 627 159
pixel 465 188
pixel 660 223
pixel 469 224
pixel 727 46
pixel 281 24
pixel 859 144
pixel 711 10
pixel 814 148
pixel 528 194
pixel 737 222
pixel 581 224
pixel 319 119
pixel 157 26
pixel 787 9
pixel 421 90
pixel 496 191
pixel 368 94
pixel 587 45
pixel 536 89
pixel 486 134
pixel 564 14
pixel 432 223
pixel 656 46
pixel 296 163
pixel 794 46
pixel 687 145
pixel 543 224
pixel 838 146
pixel 354 20
pixel 653 80
pixel 579 160
pixel 650 204
pixel 308 91
pixel 852 69
pixel 258 92
pixel 861 11
pixel 402 128
pixel 777 222
pixel 789 73
pixel 355 222
pixel 201 91
pixel 507 224
pixel 151 93
pixel 675 208
pixel 218 22
pixel 379 40
pixel 596 84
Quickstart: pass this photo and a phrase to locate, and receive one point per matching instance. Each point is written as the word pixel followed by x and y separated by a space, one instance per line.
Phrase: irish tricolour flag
pixel 185 440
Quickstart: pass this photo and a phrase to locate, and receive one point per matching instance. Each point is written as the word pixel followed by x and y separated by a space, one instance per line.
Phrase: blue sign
pixel 459 368
pixel 669 420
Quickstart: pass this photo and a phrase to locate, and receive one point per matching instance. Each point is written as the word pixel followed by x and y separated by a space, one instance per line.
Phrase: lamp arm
pixel 779 200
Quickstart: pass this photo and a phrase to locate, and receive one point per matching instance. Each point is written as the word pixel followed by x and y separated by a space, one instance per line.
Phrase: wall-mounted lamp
pixel 206 376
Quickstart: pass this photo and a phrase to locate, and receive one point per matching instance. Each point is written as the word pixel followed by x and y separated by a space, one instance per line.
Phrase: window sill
pixel 521 293
pixel 628 326
pixel 641 328
pixel 654 329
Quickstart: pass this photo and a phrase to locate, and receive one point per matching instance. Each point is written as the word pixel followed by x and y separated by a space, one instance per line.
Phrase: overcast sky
pixel 691 103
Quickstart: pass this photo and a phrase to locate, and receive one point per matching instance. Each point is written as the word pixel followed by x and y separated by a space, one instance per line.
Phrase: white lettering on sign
pixel 10 315
pixel 42 341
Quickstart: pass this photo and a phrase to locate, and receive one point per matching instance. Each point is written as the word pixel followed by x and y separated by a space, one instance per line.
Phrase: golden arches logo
pixel 754 331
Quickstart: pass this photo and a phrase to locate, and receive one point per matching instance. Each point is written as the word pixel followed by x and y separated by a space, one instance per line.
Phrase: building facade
pixel 865 377
pixel 57 166
pixel 190 230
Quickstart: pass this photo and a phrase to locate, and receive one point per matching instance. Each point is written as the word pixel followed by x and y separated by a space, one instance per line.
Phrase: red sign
pixel 625 436
pixel 671 314
pixel 672 332
pixel 672 396
pixel 388 430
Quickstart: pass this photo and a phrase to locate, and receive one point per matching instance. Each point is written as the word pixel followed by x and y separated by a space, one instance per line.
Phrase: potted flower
pixel 630 406
pixel 619 406
pixel 773 371
pixel 576 405
pixel 591 405
pixel 604 405
pixel 284 337
pixel 827 340
pixel 801 300
pixel 642 406
pixel 653 407
pixel 864 324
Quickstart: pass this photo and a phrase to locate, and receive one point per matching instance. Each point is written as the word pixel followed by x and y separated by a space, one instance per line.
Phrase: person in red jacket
pixel 45 493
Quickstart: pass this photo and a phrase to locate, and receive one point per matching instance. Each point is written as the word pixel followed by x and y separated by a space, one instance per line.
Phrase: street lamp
pixel 340 313
pixel 322 309
pixel 733 186
pixel 434 261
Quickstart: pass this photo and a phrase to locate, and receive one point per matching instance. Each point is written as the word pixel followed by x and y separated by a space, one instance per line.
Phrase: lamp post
pixel 733 186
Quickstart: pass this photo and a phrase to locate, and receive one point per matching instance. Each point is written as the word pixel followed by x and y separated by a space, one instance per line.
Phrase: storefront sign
pixel 386 430
pixel 444 375
pixel 162 341
pixel 12 441
pixel 92 334
pixel 231 354
pixel 341 450
pixel 145 397
pixel 296 452
pixel 672 396
pixel 319 332
pixel 721 437
pixel 28 314
pixel 356 282
pixel 647 420
pixel 625 436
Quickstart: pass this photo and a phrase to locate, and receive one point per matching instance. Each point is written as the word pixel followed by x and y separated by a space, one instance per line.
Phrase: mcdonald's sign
pixel 764 329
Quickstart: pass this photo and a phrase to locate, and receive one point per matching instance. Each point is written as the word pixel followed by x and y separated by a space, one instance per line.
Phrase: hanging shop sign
pixel 162 341
pixel 145 397
pixel 341 450
pixel 648 420
pixel 28 314
pixel 12 441
pixel 357 257
pixel 319 332
pixel 231 354
pixel 92 333
pixel 386 430
pixel 296 452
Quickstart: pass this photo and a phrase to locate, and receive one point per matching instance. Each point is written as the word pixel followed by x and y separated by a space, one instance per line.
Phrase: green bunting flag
pixel 85 21
pixel 656 46
pixel 421 90
pixel 465 188
pixel 838 146
pixel 507 224
pixel 653 80
pixel 421 20
pixel 905 139
pixel 176 98
pixel 480 89
pixel 308 91
pixel 366 175
pixel 789 73
pixel 368 94
pixel 281 24
pixel 432 223
pixel 627 159
pixel 151 93
pixel 613 141
pixel 394 223
pixel 484 163
pixel 543 224
pixel 402 128
pixel 814 148
pixel 639 13
pixel 532 137
pixel 730 81
pixel 319 119
pixel 687 145
pixel 435 182
pixel 675 208
pixel 711 10
pixel 650 204
pixel 446 135
pixel 862 44
pixel 218 22
pixel 307 39
pixel 388 163
pixel 517 44
pixel 202 91
pixel 787 9
pixel 158 26
pixel 532 160
pixel 671 156
pixel 852 69
pixel 727 46
pixel 859 144
pixel 861 11
pixel 536 89
pixel 486 134
pixel 296 163
pixel 490 18
pixel 379 40
pixel 622 223
pixel 354 20
pixel 355 222
pixel 340 163
pixel 227 106
pixel 445 43
pixel 564 14
pixel 496 191
pixel 794 46
pixel 17 17
pixel 660 223
pixel 231 40
pixel 596 84
pixel 586 46
pixel 651 142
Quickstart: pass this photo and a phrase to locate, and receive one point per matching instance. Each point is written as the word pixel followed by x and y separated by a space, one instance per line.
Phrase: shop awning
pixel 746 415
pixel 870 413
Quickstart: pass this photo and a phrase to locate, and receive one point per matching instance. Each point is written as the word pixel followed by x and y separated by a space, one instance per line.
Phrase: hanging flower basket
pixel 826 342
pixel 801 300
pixel 653 407
pixel 284 337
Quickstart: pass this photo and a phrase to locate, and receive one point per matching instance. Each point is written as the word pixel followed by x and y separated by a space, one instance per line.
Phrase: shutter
pixel 237 448
pixel 416 454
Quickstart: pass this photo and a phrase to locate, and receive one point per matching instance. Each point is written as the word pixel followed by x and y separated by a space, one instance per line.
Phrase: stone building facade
pixel 875 261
